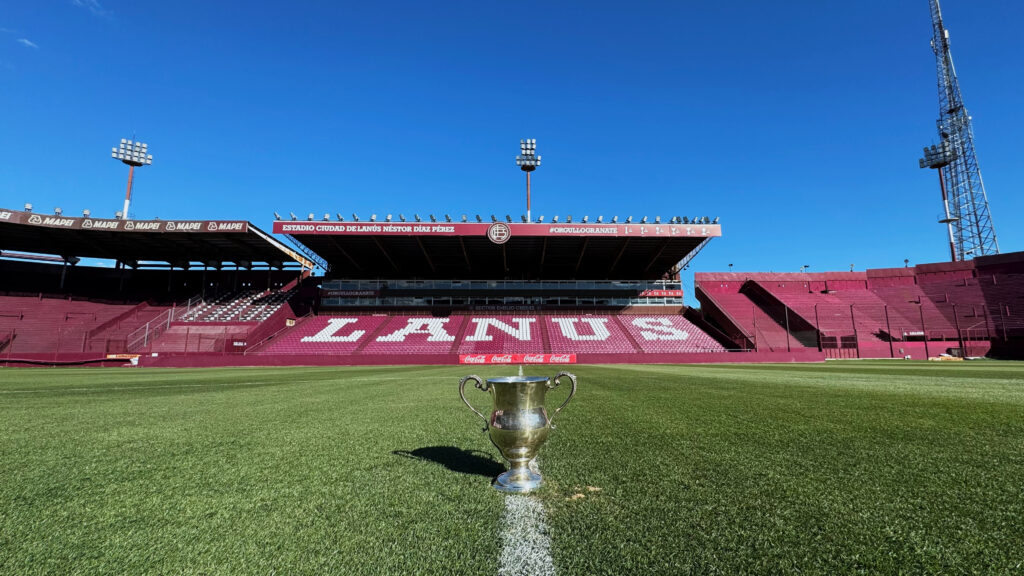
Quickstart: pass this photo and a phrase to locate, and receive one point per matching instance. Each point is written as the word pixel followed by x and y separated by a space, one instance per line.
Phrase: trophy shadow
pixel 456 459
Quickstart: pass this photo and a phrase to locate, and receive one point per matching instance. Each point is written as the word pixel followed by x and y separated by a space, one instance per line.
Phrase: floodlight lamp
pixel 554 219
pixel 508 217
pixel 118 214
pixel 686 220
pixel 643 220
pixel 417 217
pixel 657 219
pixel 373 217
pixel 387 218
pixel 600 219
pixel 340 217
pixel 327 216
pixel 523 217
pixel 401 217
pixel 432 218
pixel 629 219
pixel 311 216
pixel 493 219
pixel 292 214
pixel 465 218
pixel 541 219
pixel 615 219
pixel 355 217
pixel 568 218
pixel 86 213
pixel 585 219
pixel 479 219
pixel 715 221
pixel 277 216
pixel 28 207
pixel 447 218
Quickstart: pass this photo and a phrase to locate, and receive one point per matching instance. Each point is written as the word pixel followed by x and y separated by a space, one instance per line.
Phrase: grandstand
pixel 968 308
pixel 199 293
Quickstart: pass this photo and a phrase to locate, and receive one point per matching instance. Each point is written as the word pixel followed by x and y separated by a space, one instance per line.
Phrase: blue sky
pixel 799 123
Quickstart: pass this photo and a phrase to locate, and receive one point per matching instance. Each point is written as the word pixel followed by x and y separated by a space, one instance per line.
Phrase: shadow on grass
pixel 456 459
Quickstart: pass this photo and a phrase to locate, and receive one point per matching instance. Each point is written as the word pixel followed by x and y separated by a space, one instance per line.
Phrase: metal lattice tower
pixel 965 204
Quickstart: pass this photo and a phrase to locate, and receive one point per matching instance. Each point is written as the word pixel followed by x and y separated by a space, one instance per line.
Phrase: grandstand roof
pixel 178 242
pixel 471 250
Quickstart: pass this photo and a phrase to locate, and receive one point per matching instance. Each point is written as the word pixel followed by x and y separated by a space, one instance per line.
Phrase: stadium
pixel 215 393
pixel 226 293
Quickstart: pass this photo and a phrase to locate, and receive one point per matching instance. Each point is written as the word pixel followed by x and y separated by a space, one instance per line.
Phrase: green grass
pixel 847 467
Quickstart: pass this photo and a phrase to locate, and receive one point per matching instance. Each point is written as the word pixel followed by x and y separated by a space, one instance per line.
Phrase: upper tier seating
pixel 242 306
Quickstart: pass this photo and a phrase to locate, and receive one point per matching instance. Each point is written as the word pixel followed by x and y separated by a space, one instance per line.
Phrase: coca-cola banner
pixel 517 359
pixel 76 223
pixel 508 230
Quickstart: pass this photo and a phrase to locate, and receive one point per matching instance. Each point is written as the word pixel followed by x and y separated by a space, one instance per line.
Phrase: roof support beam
pixel 346 254
pixel 579 260
pixel 427 256
pixel 465 254
pixel 615 262
pixel 657 255
pixel 385 253
pixel 543 252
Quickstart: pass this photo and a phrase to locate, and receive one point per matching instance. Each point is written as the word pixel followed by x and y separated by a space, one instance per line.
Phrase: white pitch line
pixel 525 542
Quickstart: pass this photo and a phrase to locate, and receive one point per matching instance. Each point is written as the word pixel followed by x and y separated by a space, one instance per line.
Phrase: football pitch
pixel 874 467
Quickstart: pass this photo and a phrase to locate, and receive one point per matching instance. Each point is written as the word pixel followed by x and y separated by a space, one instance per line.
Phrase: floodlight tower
pixel 965 204
pixel 528 161
pixel 133 154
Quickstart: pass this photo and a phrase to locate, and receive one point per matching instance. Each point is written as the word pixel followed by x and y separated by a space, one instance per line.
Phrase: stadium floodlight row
pixel 508 218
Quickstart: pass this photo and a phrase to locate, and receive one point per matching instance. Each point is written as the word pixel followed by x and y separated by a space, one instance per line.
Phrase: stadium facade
pixel 209 293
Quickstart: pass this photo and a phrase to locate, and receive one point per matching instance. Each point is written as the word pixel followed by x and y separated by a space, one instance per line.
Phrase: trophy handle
pixel 572 392
pixel 462 392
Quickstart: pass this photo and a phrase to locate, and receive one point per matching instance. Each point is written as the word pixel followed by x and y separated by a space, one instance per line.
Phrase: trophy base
pixel 518 481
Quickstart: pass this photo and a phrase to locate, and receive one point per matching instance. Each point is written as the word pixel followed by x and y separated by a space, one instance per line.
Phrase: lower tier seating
pixel 490 334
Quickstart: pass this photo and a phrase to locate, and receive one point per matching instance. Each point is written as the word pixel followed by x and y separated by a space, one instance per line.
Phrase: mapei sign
pixel 60 221
pixel 56 221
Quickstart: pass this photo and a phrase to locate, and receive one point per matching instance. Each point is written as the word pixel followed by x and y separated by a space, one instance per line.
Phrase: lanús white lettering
pixel 301 228
pixel 432 326
pixel 659 329
pixel 599 332
pixel 442 228
pixel 520 332
pixel 330 332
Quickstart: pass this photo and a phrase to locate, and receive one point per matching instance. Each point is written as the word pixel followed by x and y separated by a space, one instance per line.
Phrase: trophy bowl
pixel 519 423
